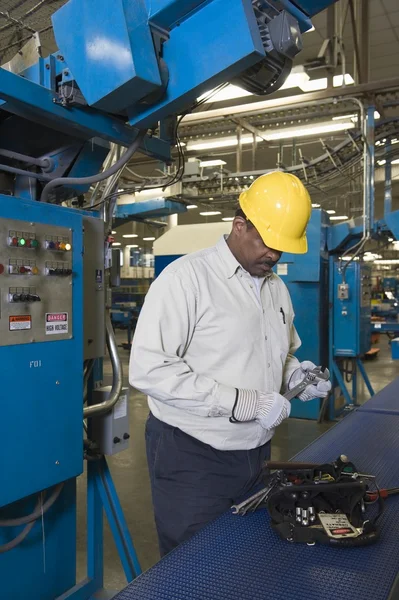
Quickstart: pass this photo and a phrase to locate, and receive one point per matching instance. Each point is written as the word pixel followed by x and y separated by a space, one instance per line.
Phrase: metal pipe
pixel 254 148
pixel 365 41
pixel 358 73
pixel 239 149
pixel 39 162
pixel 117 380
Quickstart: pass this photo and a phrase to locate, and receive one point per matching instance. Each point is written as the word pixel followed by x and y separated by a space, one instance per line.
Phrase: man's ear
pixel 239 226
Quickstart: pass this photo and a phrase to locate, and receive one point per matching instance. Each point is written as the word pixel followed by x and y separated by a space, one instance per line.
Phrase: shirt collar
pixel 230 263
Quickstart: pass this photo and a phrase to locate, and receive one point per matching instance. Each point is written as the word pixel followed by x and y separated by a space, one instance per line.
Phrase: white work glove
pixel 319 390
pixel 268 409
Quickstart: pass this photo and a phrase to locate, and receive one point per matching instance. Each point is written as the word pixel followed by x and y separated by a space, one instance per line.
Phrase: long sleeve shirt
pixel 205 330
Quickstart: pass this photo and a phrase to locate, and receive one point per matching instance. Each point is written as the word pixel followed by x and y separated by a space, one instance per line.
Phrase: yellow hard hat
pixel 279 206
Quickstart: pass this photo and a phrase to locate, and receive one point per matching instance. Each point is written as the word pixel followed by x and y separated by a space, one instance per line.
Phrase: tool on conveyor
pixel 330 503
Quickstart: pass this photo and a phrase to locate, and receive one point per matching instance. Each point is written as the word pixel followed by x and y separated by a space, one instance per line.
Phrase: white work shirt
pixel 204 330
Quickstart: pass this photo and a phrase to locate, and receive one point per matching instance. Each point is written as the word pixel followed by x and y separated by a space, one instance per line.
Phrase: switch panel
pixel 36 282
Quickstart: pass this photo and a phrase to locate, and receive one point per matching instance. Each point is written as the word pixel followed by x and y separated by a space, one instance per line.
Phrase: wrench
pixel 312 378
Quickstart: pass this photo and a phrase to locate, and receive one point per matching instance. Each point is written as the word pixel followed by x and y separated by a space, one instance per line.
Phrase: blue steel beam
pixel 168 13
pixel 158 207
pixel 36 103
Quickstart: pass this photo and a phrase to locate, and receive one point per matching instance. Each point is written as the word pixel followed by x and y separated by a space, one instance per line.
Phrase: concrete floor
pixel 129 469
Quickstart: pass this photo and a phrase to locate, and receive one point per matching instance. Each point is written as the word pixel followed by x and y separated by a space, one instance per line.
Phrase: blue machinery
pixel 121 68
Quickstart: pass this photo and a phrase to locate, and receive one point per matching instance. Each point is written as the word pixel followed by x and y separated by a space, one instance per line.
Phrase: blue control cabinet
pixel 351 309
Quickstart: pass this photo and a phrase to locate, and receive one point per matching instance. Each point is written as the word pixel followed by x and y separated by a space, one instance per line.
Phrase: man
pixel 213 350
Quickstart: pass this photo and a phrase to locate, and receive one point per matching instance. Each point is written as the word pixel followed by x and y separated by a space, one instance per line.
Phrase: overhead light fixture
pixel 377 115
pixel 230 92
pixel 191 206
pixel 390 240
pixel 148 239
pixel 339 117
pixel 381 162
pixel 210 213
pixel 113 232
pixel 313 85
pixel 270 135
pixel 339 218
pixel 116 244
pixel 130 235
pixel 315 205
pixel 387 261
pixel 331 212
pixel 132 246
pixel 212 163
pixel 227 218
pixel 211 198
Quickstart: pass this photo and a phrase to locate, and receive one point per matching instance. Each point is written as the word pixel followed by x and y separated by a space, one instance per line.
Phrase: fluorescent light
pixel 381 162
pixel 210 198
pixel 148 239
pixel 315 205
pixel 190 206
pixel 331 212
pixel 130 235
pixel 132 246
pixel 387 261
pixel 210 213
pixel 228 219
pixel 395 162
pixel 116 244
pixel 212 163
pixel 113 232
pixel 270 135
pixel 230 92
pixel 339 117
pixel 390 239
pixel 339 218
pixel 376 114
pixel 321 84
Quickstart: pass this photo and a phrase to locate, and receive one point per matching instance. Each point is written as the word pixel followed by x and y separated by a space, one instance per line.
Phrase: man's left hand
pixel 319 390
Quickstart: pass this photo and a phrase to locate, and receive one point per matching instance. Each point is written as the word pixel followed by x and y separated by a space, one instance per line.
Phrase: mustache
pixel 270 262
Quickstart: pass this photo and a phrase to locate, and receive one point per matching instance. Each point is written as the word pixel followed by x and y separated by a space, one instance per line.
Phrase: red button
pixel 1 269
pixel 14 241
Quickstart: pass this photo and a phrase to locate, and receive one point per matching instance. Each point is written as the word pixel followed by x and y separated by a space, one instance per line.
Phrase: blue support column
pixel 388 179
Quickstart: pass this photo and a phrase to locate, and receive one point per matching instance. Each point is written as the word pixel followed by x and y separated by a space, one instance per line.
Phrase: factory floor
pixel 129 469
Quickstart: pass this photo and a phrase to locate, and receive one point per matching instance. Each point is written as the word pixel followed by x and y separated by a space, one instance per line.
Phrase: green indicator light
pixel 22 242
pixel 34 243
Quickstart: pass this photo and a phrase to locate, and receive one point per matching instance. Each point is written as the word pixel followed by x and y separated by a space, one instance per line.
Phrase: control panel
pixel 352 310
pixel 36 278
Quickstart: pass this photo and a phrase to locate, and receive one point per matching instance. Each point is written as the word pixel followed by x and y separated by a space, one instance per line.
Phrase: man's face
pixel 255 256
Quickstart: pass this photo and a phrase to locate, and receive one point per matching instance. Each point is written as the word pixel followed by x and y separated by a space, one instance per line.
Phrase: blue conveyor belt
pixel 386 401
pixel 242 558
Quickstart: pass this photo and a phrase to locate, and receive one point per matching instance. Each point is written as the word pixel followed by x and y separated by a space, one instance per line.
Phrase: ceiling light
pixel 381 162
pixel 132 246
pixel 315 205
pixel 376 114
pixel 130 235
pixel 116 244
pixel 148 239
pixel 339 218
pixel 339 117
pixel 190 206
pixel 212 163
pixel 211 198
pixel 210 213
pixel 390 239
pixel 321 84
pixel 230 92
pixel 228 219
pixel 395 162
pixel 270 135
pixel 387 261
pixel 113 232
pixel 331 212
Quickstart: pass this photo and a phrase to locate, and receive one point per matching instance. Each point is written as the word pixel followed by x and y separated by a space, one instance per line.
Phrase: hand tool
pixel 311 378
pixel 253 502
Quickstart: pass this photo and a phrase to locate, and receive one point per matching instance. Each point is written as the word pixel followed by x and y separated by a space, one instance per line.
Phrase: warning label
pixel 20 322
pixel 56 323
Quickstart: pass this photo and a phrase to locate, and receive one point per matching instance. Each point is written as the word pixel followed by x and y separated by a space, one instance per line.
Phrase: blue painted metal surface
pixel 158 207
pixel 161 262
pixel 30 571
pixel 351 334
pixel 229 38
pixel 113 60
pixel 35 103
pixel 45 404
pixel 168 13
pixel 307 282
pixel 241 557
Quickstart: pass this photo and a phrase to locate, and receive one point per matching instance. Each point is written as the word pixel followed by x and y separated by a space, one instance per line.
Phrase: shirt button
pixel 268 365
pixel 251 286
pixel 265 337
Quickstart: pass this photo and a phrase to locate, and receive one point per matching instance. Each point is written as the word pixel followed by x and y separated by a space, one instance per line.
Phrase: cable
pixel 26 173
pixel 18 539
pixel 99 176
pixel 38 511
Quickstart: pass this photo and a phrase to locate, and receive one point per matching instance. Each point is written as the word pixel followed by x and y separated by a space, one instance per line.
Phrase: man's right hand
pixel 268 409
